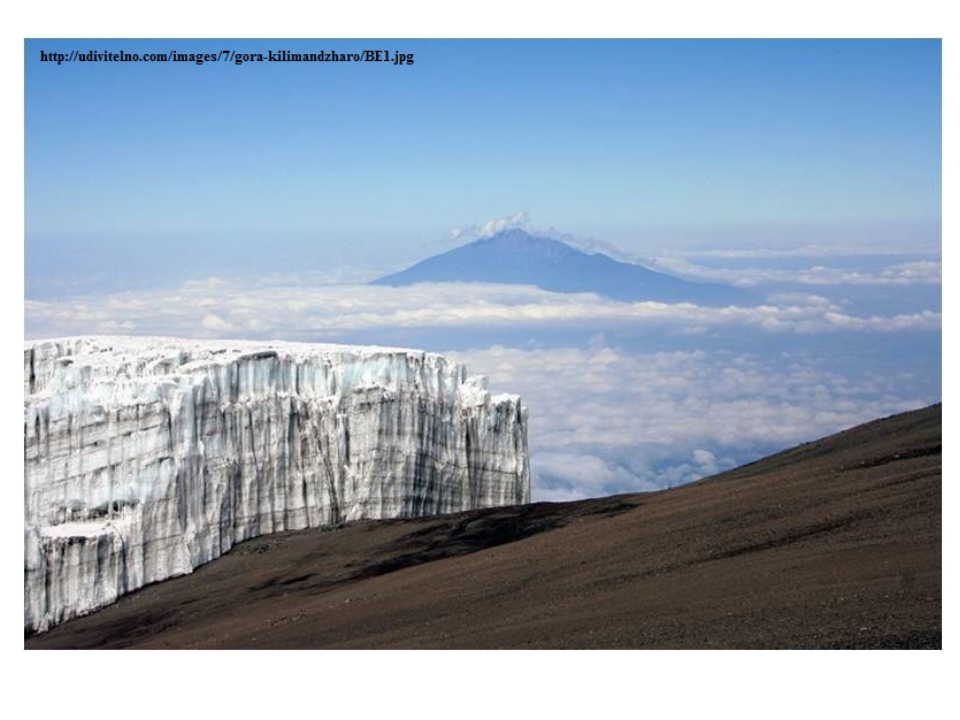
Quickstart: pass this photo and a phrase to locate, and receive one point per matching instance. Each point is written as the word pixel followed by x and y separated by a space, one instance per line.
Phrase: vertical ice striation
pixel 146 457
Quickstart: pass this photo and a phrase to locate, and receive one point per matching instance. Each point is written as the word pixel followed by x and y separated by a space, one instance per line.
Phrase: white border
pixel 594 684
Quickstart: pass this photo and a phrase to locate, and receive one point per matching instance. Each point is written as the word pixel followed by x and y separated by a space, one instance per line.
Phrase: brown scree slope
pixel 835 543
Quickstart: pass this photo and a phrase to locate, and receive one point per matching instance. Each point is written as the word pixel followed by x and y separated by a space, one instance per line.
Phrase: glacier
pixel 146 457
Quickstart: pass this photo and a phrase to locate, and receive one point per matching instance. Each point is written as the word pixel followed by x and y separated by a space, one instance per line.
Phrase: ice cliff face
pixel 146 457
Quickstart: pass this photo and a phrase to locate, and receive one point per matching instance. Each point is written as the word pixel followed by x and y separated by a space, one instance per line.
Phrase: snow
pixel 147 457
pixel 76 529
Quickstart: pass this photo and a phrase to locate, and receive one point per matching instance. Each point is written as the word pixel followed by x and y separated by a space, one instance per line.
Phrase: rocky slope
pixel 147 457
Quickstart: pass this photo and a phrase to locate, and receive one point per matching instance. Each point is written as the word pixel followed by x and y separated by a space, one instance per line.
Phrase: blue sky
pixel 256 202
pixel 633 142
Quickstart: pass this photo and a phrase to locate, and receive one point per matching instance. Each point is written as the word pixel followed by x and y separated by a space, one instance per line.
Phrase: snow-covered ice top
pixel 115 370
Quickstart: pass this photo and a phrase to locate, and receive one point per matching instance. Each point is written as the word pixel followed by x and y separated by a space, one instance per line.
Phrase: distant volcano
pixel 517 258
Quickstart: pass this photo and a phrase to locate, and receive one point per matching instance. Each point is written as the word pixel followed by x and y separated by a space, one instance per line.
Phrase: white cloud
pixel 519 220
pixel 215 323
pixel 603 420
pixel 559 495
pixel 282 310
pixel 841 248
pixel 587 474
pixel 917 272
pixel 707 461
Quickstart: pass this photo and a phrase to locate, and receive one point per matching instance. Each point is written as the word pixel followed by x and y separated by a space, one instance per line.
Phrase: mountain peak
pixel 508 235
pixel 514 256
pixel 516 240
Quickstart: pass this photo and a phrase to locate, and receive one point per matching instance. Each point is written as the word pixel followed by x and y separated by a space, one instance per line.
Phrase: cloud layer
pixel 491 227
pixel 917 272
pixel 604 420
pixel 284 310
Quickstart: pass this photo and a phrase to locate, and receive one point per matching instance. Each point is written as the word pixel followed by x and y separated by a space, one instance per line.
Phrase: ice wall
pixel 146 457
